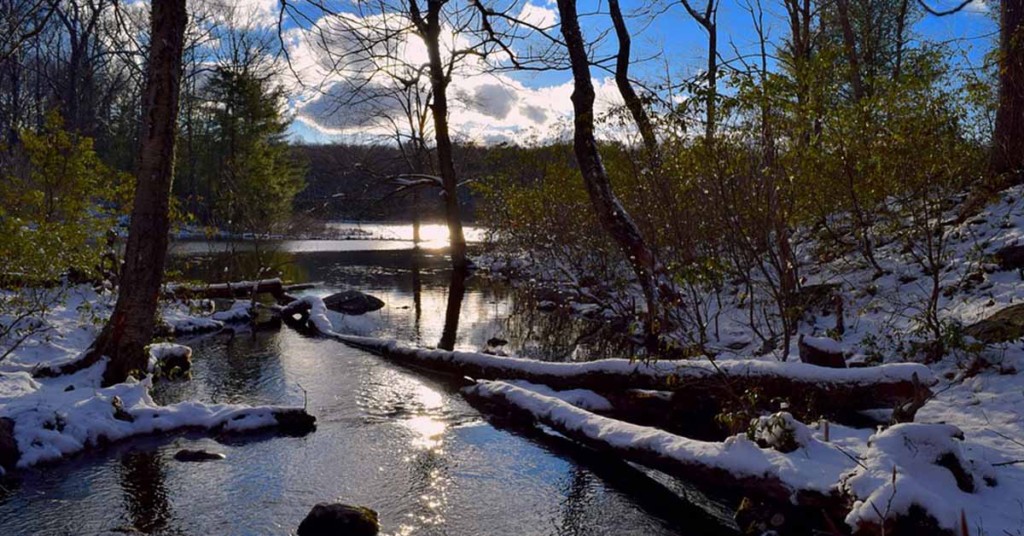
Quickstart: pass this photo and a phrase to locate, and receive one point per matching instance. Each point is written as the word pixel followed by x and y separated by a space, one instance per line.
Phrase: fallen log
pixel 239 289
pixel 702 386
pixel 737 464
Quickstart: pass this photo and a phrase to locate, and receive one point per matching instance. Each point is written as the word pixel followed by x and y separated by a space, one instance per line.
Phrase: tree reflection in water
pixel 456 292
pixel 144 494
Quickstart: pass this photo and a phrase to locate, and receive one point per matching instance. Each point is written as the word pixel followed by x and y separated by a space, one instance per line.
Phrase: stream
pixel 401 442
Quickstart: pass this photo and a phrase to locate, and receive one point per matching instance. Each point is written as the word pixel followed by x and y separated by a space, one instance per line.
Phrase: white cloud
pixel 484 107
pixel 539 16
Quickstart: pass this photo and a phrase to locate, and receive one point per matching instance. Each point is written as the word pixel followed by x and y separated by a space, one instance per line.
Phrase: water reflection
pixel 456 293
pixel 143 492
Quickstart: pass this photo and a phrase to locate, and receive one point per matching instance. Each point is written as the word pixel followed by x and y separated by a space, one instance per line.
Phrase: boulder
pixel 1004 325
pixel 9 453
pixel 188 455
pixel 352 302
pixel 173 360
pixel 821 351
pixel 336 519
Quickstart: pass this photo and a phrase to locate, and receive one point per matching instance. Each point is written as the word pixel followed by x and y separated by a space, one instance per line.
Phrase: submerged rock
pixel 188 455
pixel 353 302
pixel 336 519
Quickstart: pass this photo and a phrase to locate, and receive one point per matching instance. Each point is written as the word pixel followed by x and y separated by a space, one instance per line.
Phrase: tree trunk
pixel 629 96
pixel 130 327
pixel 610 212
pixel 850 47
pixel 430 29
pixel 1008 138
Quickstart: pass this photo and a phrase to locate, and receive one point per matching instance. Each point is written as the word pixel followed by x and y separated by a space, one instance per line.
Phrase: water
pixel 389 438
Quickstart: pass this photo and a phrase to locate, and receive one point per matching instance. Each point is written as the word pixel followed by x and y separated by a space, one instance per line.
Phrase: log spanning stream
pixel 405 444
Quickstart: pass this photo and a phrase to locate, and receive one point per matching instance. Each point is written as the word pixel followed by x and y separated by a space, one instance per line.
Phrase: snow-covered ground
pixel 56 417
pixel 977 412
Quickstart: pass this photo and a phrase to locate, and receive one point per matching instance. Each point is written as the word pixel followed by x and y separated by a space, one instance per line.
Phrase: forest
pixel 423 267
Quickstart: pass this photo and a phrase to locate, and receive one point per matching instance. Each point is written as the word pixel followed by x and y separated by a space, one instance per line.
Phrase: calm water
pixel 389 438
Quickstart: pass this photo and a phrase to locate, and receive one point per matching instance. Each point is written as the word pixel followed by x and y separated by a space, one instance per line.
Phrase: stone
pixel 188 455
pixel 176 363
pixel 353 302
pixel 496 342
pixel 822 352
pixel 336 519
pixel 120 413
pixel 9 453
pixel 1005 325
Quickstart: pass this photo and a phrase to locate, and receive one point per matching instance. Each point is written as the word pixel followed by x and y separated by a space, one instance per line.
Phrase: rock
pixel 352 302
pixel 1004 325
pixel 496 342
pixel 187 455
pixel 335 519
pixel 9 453
pixel 172 359
pixel 821 351
pixel 295 422
pixel 69 388
pixel 1010 257
pixel 119 412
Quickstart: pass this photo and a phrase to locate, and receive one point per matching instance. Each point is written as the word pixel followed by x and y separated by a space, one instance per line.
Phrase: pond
pixel 405 444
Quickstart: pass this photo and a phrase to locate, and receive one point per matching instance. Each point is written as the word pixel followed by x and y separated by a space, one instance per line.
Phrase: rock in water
pixel 336 519
pixel 187 455
pixel 352 302
pixel 821 351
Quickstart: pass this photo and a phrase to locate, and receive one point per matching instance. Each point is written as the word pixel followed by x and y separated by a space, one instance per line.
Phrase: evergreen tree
pixel 258 174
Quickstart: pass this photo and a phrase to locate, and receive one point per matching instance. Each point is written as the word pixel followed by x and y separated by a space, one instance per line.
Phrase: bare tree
pixel 708 19
pixel 610 211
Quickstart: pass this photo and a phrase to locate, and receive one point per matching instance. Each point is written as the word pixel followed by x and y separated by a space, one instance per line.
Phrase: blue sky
pixel 512 105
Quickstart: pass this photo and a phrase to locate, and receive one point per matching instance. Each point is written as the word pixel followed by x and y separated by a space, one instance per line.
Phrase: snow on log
pixel 61 416
pixel 825 391
pixel 807 477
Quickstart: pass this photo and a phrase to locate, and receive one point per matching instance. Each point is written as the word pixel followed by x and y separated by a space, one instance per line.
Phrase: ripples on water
pixel 400 442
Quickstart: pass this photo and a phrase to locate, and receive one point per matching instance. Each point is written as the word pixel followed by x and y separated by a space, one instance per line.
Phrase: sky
pixel 509 106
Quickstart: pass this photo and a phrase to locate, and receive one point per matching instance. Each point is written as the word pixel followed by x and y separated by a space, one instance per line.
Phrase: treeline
pixel 360 182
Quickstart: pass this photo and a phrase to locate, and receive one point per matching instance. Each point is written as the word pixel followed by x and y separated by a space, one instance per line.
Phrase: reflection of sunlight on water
pixel 427 430
pixel 431 234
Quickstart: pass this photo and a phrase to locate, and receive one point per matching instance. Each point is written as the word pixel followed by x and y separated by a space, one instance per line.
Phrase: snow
pixel 56 417
pixel 581 398
pixel 318 314
pixel 882 321
pixel 52 422
pixel 815 466
pixel 690 369
pixel 824 344
pixel 240 311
